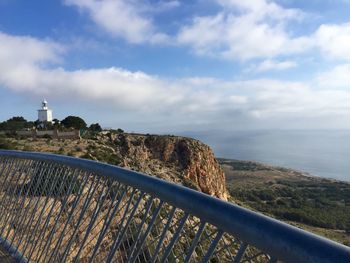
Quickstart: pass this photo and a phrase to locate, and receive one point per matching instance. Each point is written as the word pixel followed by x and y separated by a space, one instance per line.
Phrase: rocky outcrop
pixel 179 159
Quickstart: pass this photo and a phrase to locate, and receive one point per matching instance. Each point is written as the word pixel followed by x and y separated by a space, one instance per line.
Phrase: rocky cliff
pixel 179 159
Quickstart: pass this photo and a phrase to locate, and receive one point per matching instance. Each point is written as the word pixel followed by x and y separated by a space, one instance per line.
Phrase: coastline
pixel 268 166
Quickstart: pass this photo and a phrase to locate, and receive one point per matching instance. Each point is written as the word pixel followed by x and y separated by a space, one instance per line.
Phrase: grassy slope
pixel 315 204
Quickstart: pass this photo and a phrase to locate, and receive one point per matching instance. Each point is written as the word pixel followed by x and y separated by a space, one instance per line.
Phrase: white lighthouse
pixel 44 114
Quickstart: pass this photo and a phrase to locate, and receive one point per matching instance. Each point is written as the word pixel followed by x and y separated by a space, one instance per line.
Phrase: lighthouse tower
pixel 44 114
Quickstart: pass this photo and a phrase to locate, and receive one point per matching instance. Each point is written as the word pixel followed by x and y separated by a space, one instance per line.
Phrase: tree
pixel 15 124
pixel 95 127
pixel 17 119
pixel 74 122
pixel 56 123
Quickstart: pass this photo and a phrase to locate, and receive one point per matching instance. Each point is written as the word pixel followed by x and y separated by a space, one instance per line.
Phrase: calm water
pixel 320 153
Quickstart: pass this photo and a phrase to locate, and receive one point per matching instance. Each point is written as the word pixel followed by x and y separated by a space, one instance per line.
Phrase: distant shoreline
pixel 281 168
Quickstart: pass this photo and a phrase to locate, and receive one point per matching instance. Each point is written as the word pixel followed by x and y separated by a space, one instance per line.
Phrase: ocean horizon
pixel 322 153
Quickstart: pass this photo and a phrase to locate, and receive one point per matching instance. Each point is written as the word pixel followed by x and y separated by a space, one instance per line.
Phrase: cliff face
pixel 178 159
pixel 182 160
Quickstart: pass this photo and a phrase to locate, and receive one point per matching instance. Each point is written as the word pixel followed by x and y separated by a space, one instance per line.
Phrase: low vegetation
pixel 316 204
pixel 322 204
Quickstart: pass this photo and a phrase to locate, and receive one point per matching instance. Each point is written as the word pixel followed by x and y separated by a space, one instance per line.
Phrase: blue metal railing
pixel 61 209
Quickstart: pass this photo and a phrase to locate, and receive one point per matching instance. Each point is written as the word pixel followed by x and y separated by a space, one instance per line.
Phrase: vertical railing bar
pixel 206 237
pixel 61 234
pixel 146 251
pixel 240 253
pixel 124 245
pixel 5 161
pixel 83 211
pixel 139 230
pixel 57 177
pixel 161 239
pixel 31 217
pixel 92 238
pixel 225 247
pixel 6 195
pixel 5 166
pixel 19 218
pixel 195 241
pixel 212 247
pixel 9 196
pixel 149 228
pixel 121 233
pixel 175 237
pixel 88 239
pixel 61 175
pixel 8 189
pixel 48 217
pixel 122 229
pixel 66 172
pixel 81 216
pixel 106 225
pixel 4 207
pixel 21 212
pixel 87 201
pixel 7 204
pixel 63 206
pixel 71 213
pixel 94 216
pixel 6 169
pixel 127 242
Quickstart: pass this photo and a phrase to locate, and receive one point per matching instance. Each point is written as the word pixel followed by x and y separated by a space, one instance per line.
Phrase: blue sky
pixel 170 66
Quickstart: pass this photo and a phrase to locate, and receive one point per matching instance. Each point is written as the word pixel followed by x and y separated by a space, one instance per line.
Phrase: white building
pixel 44 114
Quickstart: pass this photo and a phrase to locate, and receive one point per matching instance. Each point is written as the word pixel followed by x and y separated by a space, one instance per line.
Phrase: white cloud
pixel 192 100
pixel 268 65
pixel 244 30
pixel 127 19
pixel 240 30
pixel 24 50
pixel 261 9
pixel 334 40
pixel 32 69
pixel 120 18
pixel 338 77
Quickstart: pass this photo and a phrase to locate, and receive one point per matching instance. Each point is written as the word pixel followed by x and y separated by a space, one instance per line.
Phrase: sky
pixel 170 66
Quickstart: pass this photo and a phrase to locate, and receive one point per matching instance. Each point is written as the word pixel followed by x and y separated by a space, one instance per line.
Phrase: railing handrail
pixel 278 239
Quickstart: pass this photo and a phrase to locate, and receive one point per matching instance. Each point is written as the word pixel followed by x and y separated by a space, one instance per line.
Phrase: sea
pixel 324 153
